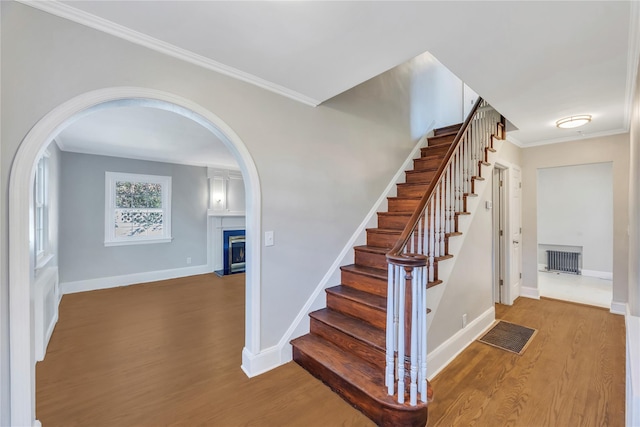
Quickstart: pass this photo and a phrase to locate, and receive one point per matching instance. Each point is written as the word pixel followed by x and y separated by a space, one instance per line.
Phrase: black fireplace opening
pixel 233 251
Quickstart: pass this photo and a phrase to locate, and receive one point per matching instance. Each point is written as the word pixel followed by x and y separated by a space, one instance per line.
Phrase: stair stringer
pixel 446 267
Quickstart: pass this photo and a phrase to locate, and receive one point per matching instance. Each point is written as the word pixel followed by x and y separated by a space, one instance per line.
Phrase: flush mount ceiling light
pixel 573 121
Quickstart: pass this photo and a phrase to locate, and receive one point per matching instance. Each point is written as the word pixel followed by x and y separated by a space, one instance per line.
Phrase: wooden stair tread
pixel 352 326
pixel 384 230
pixel 365 298
pixel 434 283
pixel 367 271
pixel 396 213
pixel 358 372
pixel 451 129
pixel 372 249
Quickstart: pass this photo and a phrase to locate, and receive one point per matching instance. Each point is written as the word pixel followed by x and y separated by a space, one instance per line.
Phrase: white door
pixel 500 235
pixel 515 220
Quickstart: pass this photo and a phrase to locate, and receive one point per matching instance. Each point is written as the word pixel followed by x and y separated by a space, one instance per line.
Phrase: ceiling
pixel 145 133
pixel 535 61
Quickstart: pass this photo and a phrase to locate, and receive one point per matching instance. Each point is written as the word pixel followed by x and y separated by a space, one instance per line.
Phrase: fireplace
pixel 233 251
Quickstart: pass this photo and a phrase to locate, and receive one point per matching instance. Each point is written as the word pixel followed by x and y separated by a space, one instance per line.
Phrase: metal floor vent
pixel 509 336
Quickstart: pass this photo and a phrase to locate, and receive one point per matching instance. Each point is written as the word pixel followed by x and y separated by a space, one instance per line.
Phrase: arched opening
pixel 21 234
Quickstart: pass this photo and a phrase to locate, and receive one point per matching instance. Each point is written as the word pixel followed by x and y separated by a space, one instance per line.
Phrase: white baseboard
pixel 130 279
pixel 607 275
pixel 618 308
pixel 439 358
pixel 256 364
pixel 527 292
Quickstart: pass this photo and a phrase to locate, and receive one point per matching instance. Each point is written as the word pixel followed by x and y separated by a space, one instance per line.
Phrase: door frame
pixel 508 294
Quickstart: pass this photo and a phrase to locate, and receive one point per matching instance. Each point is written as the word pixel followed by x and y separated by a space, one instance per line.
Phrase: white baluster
pixel 432 239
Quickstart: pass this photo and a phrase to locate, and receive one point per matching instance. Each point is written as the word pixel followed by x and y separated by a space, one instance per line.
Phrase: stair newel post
pixel 390 339
pixel 413 326
pixel 423 335
pixel 401 332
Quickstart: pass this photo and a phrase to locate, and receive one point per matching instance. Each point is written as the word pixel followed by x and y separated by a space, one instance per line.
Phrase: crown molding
pixel 65 11
pixel 574 138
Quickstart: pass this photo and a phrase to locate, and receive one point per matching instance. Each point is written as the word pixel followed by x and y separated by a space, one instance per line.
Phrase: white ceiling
pixel 147 134
pixel 535 61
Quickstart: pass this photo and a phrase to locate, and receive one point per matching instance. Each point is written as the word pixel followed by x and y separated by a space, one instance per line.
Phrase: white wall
pixel 614 149
pixel 321 169
pixel 575 208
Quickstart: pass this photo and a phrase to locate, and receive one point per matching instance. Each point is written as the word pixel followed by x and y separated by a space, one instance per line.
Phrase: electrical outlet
pixel 188 260
pixel 464 320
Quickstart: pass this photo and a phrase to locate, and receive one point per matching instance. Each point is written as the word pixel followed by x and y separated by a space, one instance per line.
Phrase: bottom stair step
pixel 355 380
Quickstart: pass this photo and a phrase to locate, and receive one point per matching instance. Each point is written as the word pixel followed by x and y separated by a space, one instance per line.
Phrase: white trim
pixel 92 21
pixel 607 275
pixel 130 279
pixel 440 357
pixel 43 261
pixel 259 363
pixel 283 344
pixel 110 180
pixel 618 308
pixel 529 292
pixel 21 273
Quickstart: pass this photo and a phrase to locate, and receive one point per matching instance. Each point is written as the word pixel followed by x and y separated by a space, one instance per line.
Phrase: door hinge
pixel 501 282
pixel 521 275
pixel 500 183
pixel 519 185
pixel 520 231
pixel 501 232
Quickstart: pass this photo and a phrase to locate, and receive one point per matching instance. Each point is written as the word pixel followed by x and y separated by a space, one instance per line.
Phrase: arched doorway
pixel 21 211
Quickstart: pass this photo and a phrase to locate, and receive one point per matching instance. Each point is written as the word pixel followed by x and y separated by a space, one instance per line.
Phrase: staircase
pixel 349 346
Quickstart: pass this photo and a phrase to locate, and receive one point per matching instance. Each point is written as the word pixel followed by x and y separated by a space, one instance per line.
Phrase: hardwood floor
pixel 572 373
pixel 168 354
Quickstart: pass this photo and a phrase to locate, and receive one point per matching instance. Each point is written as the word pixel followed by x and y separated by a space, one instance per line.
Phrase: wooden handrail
pixel 395 255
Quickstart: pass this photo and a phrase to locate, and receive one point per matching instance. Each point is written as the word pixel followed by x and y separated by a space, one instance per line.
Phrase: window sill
pixel 137 242
pixel 43 261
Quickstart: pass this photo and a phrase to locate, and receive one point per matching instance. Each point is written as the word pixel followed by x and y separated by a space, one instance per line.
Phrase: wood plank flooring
pixel 168 354
pixel 572 373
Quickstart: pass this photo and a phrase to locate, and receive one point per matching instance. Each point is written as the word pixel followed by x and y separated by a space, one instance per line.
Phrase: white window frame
pixel 110 238
pixel 41 244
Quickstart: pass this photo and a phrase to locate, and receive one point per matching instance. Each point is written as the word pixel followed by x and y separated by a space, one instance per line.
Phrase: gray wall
pixel 575 208
pixel 321 169
pixel 83 254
